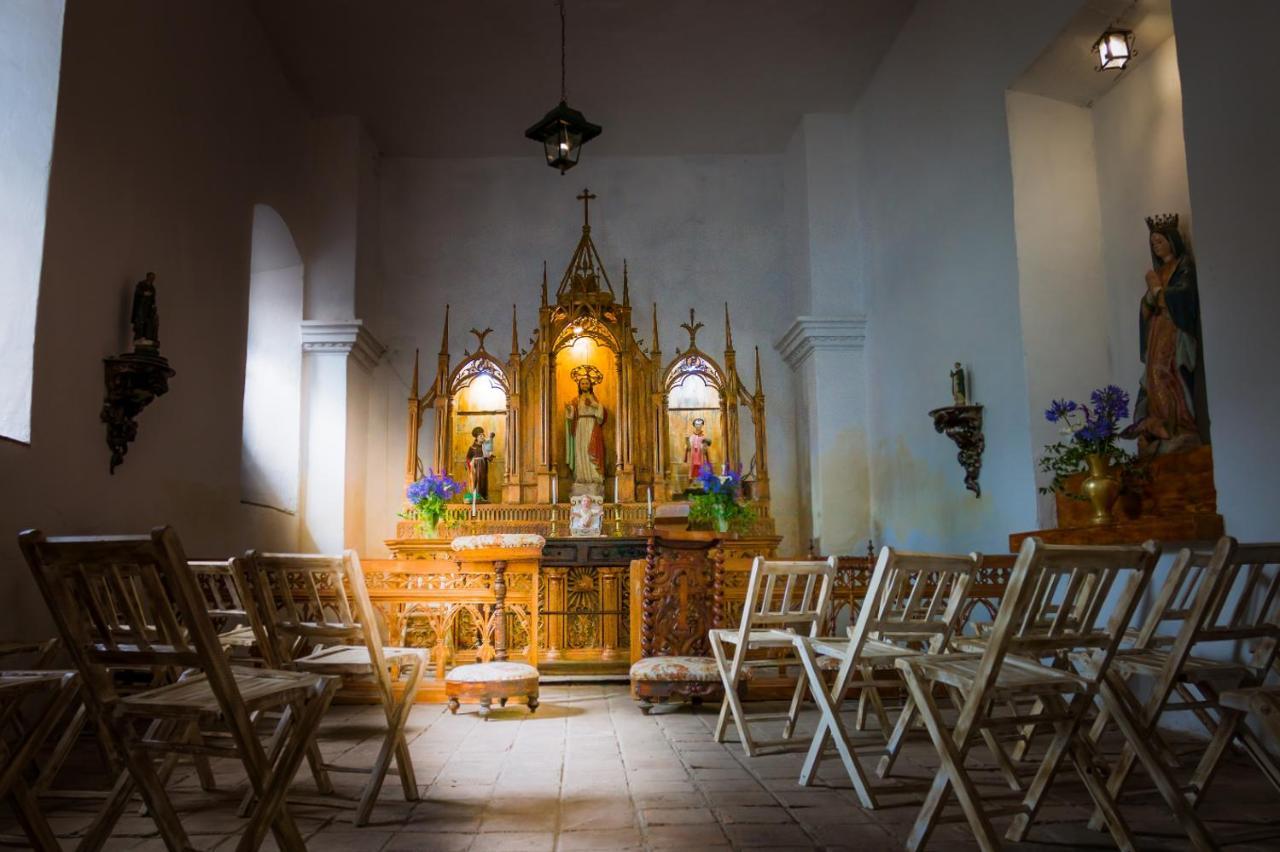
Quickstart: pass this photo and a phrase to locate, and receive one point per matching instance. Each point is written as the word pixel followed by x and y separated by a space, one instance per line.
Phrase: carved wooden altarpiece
pixel 583 598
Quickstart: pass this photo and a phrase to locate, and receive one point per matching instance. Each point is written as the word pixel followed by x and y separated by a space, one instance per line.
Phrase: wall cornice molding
pixel 810 334
pixel 342 337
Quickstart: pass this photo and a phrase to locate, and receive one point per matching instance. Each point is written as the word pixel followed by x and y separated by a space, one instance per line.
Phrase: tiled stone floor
pixel 588 771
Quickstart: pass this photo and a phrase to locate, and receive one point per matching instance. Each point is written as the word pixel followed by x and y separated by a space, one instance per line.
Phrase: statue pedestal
pixel 1178 503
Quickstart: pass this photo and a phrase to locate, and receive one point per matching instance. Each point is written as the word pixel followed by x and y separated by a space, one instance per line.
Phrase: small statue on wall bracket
pixel 135 378
pixel 962 423
pixel 959 392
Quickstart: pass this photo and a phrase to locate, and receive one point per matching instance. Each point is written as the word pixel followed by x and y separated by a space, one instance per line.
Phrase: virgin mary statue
pixel 584 433
pixel 1169 415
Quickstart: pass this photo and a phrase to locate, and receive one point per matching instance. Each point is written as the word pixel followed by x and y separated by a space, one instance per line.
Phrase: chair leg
pixel 732 701
pixel 793 712
pixel 1084 757
pixel 1113 692
pixel 898 737
pixel 392 744
pixel 26 808
pixel 1063 734
pixel 270 812
pixel 831 726
pixel 952 748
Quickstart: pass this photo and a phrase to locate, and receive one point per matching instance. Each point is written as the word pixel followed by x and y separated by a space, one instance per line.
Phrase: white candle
pixel 650 502
pixel 615 489
pixel 724 469
pixel 473 504
pixel 555 483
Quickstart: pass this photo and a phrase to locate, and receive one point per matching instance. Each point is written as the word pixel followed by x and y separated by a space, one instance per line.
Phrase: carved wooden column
pixel 500 610
pixel 611 605
pixel 556 601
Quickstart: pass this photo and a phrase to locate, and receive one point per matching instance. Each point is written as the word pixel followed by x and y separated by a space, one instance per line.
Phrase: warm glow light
pixel 1115 49
pixel 485 395
pixel 583 344
pixel 577 331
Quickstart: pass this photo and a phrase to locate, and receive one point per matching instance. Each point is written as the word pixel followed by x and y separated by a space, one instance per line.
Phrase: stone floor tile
pixel 684 836
pixel 524 841
pixel 732 814
pixel 600 839
pixel 677 816
pixel 767 835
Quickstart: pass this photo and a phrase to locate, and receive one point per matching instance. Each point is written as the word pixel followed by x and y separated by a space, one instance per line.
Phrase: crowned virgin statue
pixel 1169 414
pixel 584 433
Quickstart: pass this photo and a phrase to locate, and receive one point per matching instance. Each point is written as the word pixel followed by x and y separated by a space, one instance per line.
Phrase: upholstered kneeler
pixel 499 679
pixel 658 679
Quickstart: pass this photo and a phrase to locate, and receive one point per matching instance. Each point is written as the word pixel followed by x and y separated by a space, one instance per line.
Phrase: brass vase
pixel 1102 487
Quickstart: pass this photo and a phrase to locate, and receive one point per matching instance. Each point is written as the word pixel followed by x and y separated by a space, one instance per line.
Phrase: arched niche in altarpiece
pixel 479 397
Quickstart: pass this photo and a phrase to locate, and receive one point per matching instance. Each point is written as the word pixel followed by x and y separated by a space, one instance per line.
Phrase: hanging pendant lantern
pixel 563 131
pixel 1114 49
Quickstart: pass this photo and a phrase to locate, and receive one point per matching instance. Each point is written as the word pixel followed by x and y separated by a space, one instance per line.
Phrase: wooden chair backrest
pixel 1057 600
pixel 312 599
pixel 130 602
pixel 1175 600
pixel 1238 601
pixel 799 604
pixel 224 585
pixel 916 599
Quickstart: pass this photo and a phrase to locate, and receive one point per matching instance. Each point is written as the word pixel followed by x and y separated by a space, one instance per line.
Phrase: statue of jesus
pixel 584 433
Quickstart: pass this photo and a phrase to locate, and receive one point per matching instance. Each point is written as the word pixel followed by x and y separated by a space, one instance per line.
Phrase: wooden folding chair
pixel 131 602
pixel 224 585
pixel 17 754
pixel 317 611
pixel 1238 601
pixel 1079 586
pixel 771 615
pixel 913 605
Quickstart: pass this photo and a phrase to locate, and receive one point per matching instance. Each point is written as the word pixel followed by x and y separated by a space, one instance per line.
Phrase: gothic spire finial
pixel 626 286
pixel 415 374
pixel 656 346
pixel 544 283
pixel 515 335
pixel 692 326
pixel 759 384
pixel 728 330
pixel 444 338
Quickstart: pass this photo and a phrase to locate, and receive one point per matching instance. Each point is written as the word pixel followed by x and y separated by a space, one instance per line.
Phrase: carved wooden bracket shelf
pixel 963 424
pixel 133 381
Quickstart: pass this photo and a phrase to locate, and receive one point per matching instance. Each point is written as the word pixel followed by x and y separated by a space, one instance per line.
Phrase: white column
pixel 826 355
pixel 338 356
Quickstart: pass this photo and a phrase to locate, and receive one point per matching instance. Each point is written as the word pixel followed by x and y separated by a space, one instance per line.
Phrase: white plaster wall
pixel 1229 70
pixel 936 233
pixel 173 121
pixel 1062 295
pixel 1142 169
pixel 270 452
pixel 30 51
pixel 697 231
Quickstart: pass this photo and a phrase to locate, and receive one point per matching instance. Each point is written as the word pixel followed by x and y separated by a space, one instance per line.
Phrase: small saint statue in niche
pixel 145 317
pixel 584 433
pixel 695 449
pixel 959 392
pixel 479 454
pixel 1169 414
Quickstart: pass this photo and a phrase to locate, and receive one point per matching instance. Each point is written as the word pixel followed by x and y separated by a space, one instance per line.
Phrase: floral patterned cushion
pixel 483 672
pixel 478 542
pixel 676 669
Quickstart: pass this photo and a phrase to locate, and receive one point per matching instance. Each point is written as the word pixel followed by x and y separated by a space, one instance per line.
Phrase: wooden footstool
pixel 656 680
pixel 483 683
pixel 498 679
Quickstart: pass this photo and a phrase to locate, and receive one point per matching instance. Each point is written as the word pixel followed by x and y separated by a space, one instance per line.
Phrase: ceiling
pixel 465 79
pixel 1065 70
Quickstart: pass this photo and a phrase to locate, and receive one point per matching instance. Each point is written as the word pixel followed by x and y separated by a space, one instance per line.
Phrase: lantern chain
pixel 563 96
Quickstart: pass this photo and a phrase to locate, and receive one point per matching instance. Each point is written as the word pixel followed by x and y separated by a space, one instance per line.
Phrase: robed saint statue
pixel 1169 414
pixel 584 432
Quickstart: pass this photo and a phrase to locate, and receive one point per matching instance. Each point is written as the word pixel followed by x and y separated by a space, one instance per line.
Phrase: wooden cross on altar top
pixel 586 198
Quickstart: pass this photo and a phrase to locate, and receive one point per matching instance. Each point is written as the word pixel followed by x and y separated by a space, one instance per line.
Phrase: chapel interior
pixel 606 424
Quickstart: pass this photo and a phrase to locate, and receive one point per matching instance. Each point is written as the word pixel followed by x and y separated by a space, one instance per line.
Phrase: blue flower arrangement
pixel 719 501
pixel 429 497
pixel 1090 430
